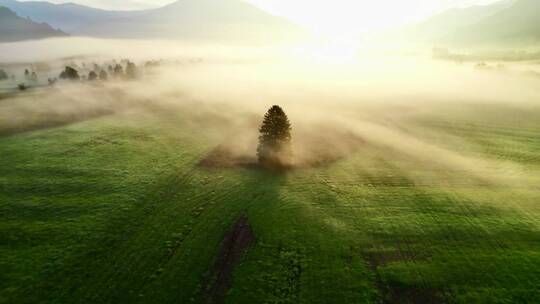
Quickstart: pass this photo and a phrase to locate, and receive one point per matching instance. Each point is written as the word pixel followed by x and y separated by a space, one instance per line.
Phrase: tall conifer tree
pixel 274 148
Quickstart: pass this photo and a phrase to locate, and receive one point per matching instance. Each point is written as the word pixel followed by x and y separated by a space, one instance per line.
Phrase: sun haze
pixel 337 18
pixel 216 151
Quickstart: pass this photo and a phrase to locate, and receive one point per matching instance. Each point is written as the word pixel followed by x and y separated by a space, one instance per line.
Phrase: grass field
pixel 109 204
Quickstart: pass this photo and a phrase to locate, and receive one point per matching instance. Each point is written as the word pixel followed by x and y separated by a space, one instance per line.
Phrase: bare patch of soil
pixel 224 157
pixel 410 294
pixel 233 247
pixel 310 149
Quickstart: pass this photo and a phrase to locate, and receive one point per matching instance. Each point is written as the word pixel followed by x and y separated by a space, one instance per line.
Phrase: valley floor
pixel 113 206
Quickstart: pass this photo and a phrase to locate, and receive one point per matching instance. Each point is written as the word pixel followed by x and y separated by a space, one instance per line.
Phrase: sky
pixel 330 17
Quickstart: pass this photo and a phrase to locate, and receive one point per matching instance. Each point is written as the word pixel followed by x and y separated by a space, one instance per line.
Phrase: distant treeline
pixel 123 70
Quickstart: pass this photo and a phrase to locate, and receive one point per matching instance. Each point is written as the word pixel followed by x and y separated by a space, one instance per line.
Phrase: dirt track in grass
pixel 233 247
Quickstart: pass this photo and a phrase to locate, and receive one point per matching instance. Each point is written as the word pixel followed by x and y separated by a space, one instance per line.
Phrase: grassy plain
pixel 109 204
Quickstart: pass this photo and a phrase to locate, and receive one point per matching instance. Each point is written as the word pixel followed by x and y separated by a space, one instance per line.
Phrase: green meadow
pixel 114 206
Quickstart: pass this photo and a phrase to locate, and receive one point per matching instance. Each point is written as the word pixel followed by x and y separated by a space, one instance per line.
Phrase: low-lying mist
pixel 341 105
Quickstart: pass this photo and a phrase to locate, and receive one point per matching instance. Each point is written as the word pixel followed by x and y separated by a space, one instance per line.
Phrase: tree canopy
pixel 3 75
pixel 92 76
pixel 70 74
pixel 103 75
pixel 274 148
pixel 131 70
pixel 118 71
pixel 33 77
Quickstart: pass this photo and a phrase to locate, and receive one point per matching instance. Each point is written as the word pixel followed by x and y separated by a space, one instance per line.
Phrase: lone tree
pixel 274 150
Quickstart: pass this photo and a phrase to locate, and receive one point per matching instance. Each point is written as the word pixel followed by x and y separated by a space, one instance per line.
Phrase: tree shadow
pixel 166 245
pixel 260 185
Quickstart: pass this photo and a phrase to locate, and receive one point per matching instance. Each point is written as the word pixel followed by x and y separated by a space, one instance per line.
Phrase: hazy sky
pixel 325 16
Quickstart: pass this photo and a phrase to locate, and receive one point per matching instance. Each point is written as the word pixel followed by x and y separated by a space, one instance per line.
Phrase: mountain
pixel 201 20
pixel 68 17
pixel 517 24
pixel 440 26
pixel 502 23
pixel 215 20
pixel 14 28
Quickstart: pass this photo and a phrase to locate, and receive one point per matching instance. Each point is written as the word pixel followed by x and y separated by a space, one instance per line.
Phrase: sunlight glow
pixel 336 18
pixel 328 52
pixel 350 18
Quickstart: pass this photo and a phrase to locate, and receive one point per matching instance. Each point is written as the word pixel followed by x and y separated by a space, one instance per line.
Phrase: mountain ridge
pixel 519 23
pixel 15 28
pixel 501 23
pixel 444 23
pixel 69 17
pixel 227 20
